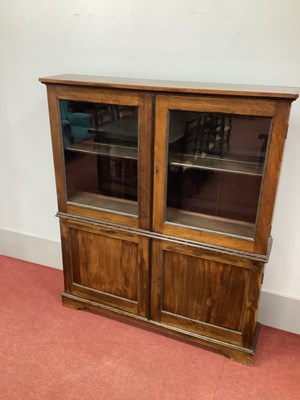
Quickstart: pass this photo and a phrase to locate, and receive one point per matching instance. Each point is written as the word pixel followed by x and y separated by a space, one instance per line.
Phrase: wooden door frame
pixel 278 111
pixel 115 97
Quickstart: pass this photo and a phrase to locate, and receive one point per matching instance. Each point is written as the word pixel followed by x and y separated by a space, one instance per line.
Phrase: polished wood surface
pixel 145 162
pixel 203 290
pixel 272 171
pixel 240 234
pixel 201 328
pixel 106 266
pixel 110 97
pixel 224 251
pixel 240 106
pixel 122 257
pixel 94 213
pixel 144 249
pixel 57 148
pixel 160 171
pixel 205 293
pixel 174 86
pixel 66 254
pixel 252 295
pixel 235 352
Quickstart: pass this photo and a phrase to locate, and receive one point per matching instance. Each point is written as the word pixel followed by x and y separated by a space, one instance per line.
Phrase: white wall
pixel 232 41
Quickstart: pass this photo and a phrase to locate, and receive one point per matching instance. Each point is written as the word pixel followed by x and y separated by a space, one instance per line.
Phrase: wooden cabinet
pixel 166 193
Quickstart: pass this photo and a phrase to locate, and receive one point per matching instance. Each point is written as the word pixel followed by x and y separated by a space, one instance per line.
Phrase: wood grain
pixel 272 171
pixel 226 251
pixel 202 290
pixel 104 264
pixel 105 231
pixel 159 170
pixel 174 86
pixel 57 148
pixel 252 295
pixel 98 95
pixel 279 111
pixel 156 281
pixel 181 322
pixel 198 284
pixel 255 107
pixel 205 293
pixel 145 162
pixel 143 276
pixel 66 255
pixel 237 261
pixel 235 352
pixel 126 98
pixel 159 191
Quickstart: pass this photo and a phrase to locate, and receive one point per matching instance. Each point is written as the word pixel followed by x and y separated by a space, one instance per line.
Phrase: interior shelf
pixel 124 128
pixel 105 149
pixel 105 202
pixel 210 223
pixel 231 165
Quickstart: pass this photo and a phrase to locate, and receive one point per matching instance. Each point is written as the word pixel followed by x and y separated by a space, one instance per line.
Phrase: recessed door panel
pixel 201 291
pixel 107 266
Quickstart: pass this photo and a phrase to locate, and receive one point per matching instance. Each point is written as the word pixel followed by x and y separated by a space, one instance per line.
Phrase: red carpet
pixel 48 351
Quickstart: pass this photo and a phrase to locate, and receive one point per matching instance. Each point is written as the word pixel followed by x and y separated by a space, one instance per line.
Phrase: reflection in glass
pixel 215 170
pixel 100 148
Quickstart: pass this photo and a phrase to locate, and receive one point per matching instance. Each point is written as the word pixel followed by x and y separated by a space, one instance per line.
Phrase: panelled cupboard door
pixel 106 266
pixel 102 153
pixel 216 167
pixel 204 292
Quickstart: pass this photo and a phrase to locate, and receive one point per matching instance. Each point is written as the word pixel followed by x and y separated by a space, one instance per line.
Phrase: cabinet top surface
pixel 271 92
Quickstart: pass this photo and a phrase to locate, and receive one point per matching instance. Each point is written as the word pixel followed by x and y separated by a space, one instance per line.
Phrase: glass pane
pixel 101 152
pixel 215 170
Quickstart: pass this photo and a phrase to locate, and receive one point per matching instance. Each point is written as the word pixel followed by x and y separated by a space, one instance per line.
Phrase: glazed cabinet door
pixel 102 151
pixel 206 293
pixel 106 266
pixel 216 168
